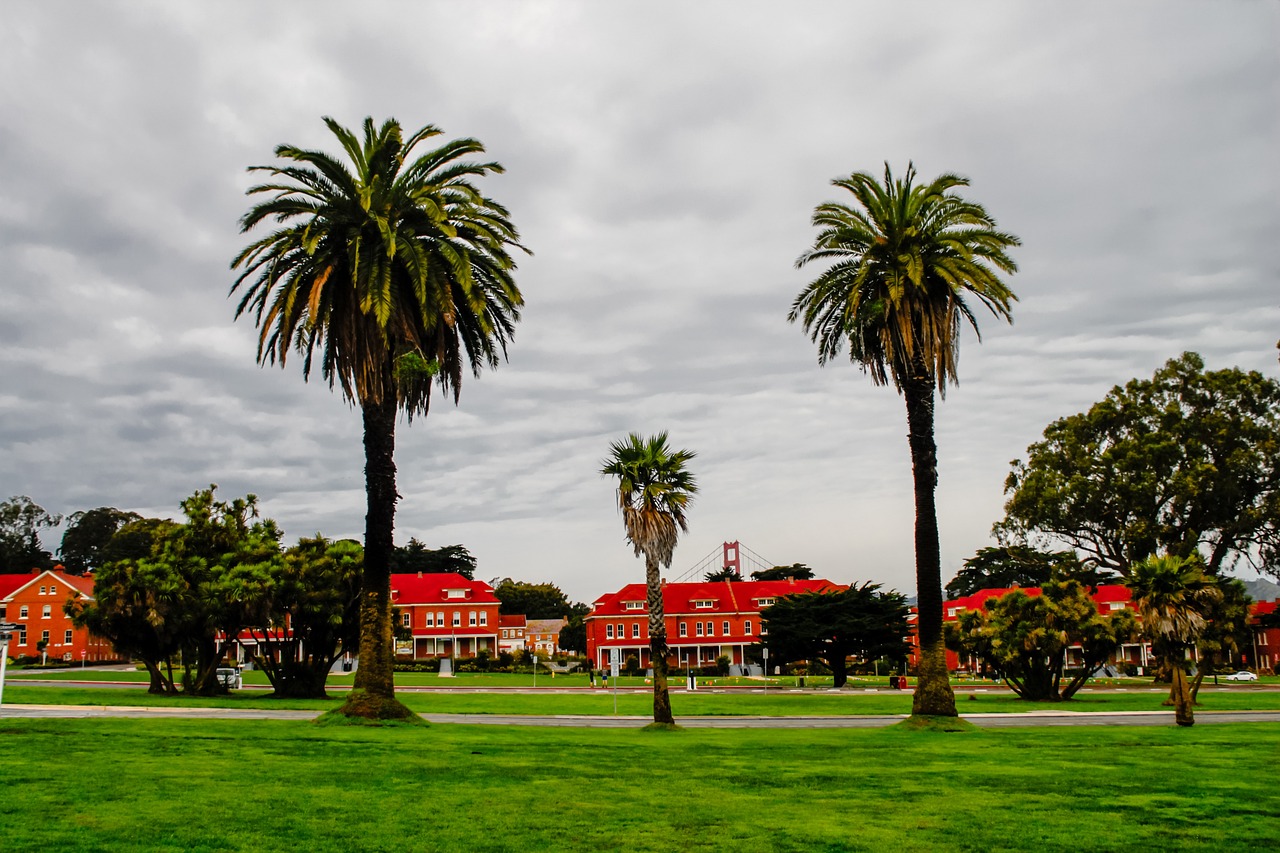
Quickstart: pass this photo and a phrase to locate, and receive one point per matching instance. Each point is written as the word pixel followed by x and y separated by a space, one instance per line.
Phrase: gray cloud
pixel 663 161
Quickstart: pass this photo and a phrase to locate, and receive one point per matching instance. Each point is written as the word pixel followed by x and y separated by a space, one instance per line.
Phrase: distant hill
pixel 1262 590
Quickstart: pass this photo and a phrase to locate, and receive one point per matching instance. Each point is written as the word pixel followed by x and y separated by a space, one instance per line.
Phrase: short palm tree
pixel 654 490
pixel 1172 595
pixel 395 271
pixel 903 261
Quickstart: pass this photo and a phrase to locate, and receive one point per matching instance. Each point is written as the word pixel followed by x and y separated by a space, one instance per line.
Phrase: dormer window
pixel 455 593
pixel 704 603
pixel 1115 605
pixel 633 605
pixel 765 602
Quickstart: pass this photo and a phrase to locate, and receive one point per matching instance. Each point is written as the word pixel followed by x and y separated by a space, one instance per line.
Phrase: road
pixel 986 721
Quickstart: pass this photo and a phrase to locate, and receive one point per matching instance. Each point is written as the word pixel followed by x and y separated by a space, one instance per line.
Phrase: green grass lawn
pixel 640 703
pixel 177 785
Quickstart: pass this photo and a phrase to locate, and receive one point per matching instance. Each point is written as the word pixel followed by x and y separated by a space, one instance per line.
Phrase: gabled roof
pixel 510 621
pixel 429 588
pixel 9 587
pixel 546 626
pixel 725 596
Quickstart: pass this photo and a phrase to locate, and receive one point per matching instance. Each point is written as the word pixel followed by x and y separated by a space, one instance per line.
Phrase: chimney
pixel 419 574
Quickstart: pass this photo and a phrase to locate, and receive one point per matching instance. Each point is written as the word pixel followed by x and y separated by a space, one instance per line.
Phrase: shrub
pixel 631 665
pixel 722 665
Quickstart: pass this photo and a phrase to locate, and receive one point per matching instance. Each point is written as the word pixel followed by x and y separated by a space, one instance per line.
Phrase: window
pixel 46 612
pixel 44 637
pixel 455 593
pixel 684 629
pixel 746 627
pixel 635 630
pixel 765 602
pixel 711 629
pixel 519 632
pixel 431 619
pixel 1115 605
pixel 484 617
pixel 407 619
pixel 22 638
pixel 634 605
pixel 439 618
pixel 66 638
pixel 725 629
pixel 506 634
pixel 698 628
pixel 622 630
pixel 471 619
pixel 457 618
pixel 22 612
pixel 704 603
pixel 951 612
pixel 608 632
pixel 42 590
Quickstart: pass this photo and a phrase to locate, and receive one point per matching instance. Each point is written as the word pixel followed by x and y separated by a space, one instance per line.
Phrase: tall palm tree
pixel 903 260
pixel 394 270
pixel 1172 595
pixel 654 490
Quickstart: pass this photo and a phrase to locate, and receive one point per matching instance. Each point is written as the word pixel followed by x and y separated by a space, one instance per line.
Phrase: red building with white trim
pixel 37 601
pixel 448 615
pixel 704 620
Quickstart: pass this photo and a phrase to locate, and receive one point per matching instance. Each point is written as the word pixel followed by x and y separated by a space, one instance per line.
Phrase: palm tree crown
pixel 903 259
pixel 394 269
pixel 1171 595
pixel 654 489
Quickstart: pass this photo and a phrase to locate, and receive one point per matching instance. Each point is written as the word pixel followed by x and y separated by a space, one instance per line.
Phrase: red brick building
pixel 704 621
pixel 448 615
pixel 1265 648
pixel 512 638
pixel 37 601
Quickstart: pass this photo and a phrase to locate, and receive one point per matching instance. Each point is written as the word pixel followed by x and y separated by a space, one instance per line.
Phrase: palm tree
pixel 903 259
pixel 654 489
pixel 394 270
pixel 1172 595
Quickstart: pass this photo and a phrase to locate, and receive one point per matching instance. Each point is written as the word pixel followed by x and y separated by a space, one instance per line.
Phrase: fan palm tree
pixel 904 259
pixel 1172 595
pixel 654 490
pixel 395 272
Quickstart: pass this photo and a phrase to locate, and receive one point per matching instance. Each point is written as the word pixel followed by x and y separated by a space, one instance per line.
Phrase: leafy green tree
pixel 573 636
pixel 21 520
pixel 417 557
pixel 87 535
pixel 1172 595
pixel 903 260
pixel 655 488
pixel 395 270
pixel 1024 637
pixel 799 571
pixel 1019 565
pixel 728 573
pixel 309 616
pixel 533 600
pixel 860 621
pixel 1186 462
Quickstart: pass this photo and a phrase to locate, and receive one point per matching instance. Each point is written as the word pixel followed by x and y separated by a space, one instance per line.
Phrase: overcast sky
pixel 663 160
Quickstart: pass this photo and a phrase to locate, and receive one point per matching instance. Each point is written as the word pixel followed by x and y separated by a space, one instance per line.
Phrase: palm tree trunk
pixel 657 641
pixel 1183 709
pixel 933 696
pixel 373 693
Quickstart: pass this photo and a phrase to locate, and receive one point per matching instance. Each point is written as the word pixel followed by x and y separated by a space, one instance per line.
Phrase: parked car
pixel 1242 675
pixel 230 678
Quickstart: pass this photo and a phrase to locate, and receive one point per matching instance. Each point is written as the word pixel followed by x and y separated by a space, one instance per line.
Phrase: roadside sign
pixel 12 626
pixel 615 662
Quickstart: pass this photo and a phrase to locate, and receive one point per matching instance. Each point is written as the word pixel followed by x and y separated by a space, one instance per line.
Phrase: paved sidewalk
pixel 995 721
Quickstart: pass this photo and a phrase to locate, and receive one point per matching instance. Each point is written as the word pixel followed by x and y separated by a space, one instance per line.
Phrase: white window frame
pixel 608 631
pixel 46 612
pixel 711 629
pixel 457 618
pixel 440 619
pixel 431 619
pixel 684 629
pixel 471 618
pixel 484 617
pixel 635 630
pixel 22 612
pixel 406 619
pixel 68 637
pixel 42 590
pixel 746 627
pixel 725 628
pixel 698 629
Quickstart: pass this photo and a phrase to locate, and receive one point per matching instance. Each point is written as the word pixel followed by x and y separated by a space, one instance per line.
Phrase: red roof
pixel 10 584
pixel 1102 595
pixel 724 596
pixel 512 621
pixel 428 588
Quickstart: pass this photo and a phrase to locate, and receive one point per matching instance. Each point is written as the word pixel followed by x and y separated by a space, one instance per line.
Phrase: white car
pixel 1242 675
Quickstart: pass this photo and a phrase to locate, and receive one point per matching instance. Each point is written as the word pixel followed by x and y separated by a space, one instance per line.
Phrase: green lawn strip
pixel 181 785
pixel 640 703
